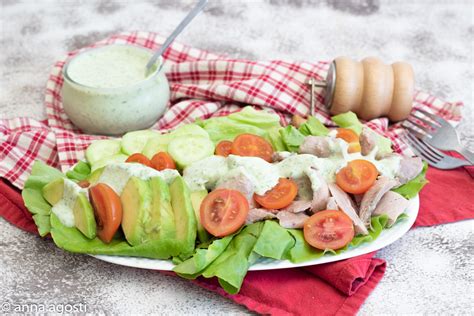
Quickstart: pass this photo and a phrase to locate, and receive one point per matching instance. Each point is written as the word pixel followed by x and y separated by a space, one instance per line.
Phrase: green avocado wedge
pixel 136 208
pixel 53 191
pixel 84 216
pixel 184 216
pixel 162 215
pixel 196 199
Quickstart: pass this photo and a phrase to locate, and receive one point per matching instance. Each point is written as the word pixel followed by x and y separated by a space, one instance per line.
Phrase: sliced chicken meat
pixel 332 205
pixel 320 190
pixel 368 141
pixel 345 204
pixel 410 167
pixel 297 206
pixel 291 220
pixel 316 145
pixel 392 204
pixel 372 197
pixel 258 214
pixel 240 182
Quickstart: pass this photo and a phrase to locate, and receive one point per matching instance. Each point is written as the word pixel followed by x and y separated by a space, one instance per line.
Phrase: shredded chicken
pixel 345 203
pixel 372 197
pixel 291 220
pixel 368 141
pixel 241 183
pixel 258 214
pixel 410 167
pixel 392 204
pixel 297 206
pixel 320 190
pixel 316 145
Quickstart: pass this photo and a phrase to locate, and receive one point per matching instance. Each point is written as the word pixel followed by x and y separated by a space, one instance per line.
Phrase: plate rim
pixel 391 236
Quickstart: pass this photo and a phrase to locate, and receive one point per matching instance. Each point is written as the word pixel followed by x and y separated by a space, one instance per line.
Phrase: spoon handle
pixel 199 6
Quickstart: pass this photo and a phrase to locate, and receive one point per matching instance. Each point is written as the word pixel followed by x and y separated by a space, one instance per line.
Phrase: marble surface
pixel 430 270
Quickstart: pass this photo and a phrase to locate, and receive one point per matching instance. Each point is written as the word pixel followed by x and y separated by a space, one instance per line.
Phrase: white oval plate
pixel 387 237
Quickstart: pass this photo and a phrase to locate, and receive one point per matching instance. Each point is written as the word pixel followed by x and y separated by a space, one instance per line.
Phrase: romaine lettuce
pixel 274 241
pixel 41 174
pixel 313 127
pixel 292 138
pixel 81 171
pixel 232 265
pixel 248 120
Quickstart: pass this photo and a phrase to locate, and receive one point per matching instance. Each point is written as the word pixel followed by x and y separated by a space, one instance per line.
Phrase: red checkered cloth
pixel 202 85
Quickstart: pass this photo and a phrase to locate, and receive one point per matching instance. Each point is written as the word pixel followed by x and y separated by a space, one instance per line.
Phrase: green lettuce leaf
pixel 192 268
pixel 248 120
pixel 81 171
pixel 292 138
pixel 41 174
pixel 71 239
pixel 274 241
pixel 350 120
pixel 232 265
pixel 410 189
pixel 313 127
pixel 302 251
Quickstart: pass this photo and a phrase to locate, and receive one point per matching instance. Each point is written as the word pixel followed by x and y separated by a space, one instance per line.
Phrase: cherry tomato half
pixel 279 196
pixel 107 210
pixel 350 137
pixel 249 145
pixel 162 161
pixel 139 158
pixel 224 148
pixel 328 229
pixel 357 177
pixel 223 212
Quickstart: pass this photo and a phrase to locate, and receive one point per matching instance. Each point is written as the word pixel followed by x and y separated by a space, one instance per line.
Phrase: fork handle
pixel 467 154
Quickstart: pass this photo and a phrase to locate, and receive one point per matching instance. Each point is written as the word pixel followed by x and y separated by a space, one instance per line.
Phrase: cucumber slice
pixel 108 160
pixel 101 149
pixel 190 129
pixel 187 149
pixel 156 144
pixel 133 142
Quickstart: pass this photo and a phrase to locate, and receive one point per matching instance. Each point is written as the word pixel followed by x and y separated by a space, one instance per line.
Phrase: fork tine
pixel 417 149
pixel 423 148
pixel 417 125
pixel 430 123
pixel 413 131
pixel 438 119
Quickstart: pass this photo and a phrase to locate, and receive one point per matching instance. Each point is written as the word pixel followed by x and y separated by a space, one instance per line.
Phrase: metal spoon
pixel 191 15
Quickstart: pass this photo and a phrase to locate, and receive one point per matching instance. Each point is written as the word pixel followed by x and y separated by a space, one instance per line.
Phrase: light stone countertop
pixel 429 271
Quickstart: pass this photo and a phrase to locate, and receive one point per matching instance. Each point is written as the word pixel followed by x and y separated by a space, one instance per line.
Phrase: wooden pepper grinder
pixel 368 88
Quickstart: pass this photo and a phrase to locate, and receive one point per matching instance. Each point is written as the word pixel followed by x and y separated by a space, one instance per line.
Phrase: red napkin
pixel 337 288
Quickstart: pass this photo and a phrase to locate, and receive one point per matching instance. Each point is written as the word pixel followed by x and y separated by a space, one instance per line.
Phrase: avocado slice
pixel 136 205
pixel 196 200
pixel 84 216
pixel 53 191
pixel 184 216
pixel 162 216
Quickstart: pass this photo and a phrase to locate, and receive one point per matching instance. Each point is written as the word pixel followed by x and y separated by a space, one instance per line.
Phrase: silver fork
pixel 438 133
pixel 433 156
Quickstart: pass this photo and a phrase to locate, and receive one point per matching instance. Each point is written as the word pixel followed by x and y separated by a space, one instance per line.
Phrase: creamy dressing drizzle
pixel 116 175
pixel 64 208
pixel 208 172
